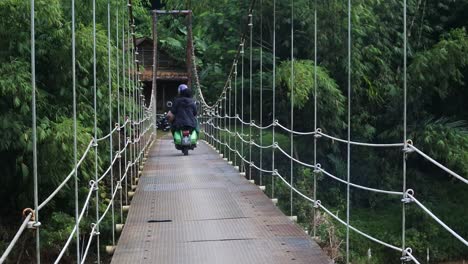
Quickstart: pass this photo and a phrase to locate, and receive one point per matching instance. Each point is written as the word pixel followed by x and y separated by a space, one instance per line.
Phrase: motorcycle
pixel 185 140
pixel 162 122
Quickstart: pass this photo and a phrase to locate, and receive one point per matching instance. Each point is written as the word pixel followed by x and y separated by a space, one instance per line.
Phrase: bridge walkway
pixel 198 209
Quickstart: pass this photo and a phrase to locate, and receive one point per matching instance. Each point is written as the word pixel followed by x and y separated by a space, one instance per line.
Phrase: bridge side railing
pixel 134 129
pixel 224 128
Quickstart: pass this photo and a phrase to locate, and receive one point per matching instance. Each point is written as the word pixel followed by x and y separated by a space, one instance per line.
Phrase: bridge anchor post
pixel 274 201
pixel 110 250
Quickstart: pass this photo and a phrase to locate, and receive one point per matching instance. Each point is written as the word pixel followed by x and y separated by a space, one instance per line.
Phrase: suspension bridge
pixel 212 206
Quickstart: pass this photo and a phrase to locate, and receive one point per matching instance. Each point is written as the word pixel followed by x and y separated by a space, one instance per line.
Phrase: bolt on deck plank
pixel 198 209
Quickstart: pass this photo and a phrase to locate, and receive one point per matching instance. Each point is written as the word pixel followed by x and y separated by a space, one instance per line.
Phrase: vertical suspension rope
pixel 348 162
pixel 225 125
pixel 34 131
pixel 405 136
pixel 75 155
pixel 138 94
pixel 242 102
pixel 136 101
pixel 215 131
pixel 129 90
pixel 314 210
pixel 261 90
pixel 274 103
pixel 133 106
pixel 117 43
pixel 291 140
pixel 109 54
pixel 95 132
pixel 154 72
pixel 124 88
pixel 131 96
pixel 230 99
pixel 250 96
pixel 220 123
pixel 235 111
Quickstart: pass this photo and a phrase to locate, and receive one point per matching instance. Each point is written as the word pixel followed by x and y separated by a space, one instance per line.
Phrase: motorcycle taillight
pixel 186 133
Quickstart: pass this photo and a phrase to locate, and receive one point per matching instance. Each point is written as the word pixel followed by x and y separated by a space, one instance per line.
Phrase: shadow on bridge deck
pixel 198 209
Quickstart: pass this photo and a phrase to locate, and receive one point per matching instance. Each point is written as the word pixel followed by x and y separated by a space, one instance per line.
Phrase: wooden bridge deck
pixel 198 209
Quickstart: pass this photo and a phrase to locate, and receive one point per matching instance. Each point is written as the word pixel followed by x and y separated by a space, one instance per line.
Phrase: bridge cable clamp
pixel 32 223
pixel 317 133
pixel 276 122
pixel 406 255
pixel 118 155
pixel 93 185
pixel 95 232
pixel 406 198
pixel 275 145
pixel 95 143
pixel 406 148
pixel 317 204
pixel 318 168
pixel 119 185
pixel 117 125
pixel 252 123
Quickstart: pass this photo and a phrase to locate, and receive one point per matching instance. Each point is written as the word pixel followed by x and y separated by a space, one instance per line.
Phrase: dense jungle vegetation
pixel 437 111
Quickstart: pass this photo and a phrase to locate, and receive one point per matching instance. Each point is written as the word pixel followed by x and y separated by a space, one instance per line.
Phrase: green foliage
pixel 54 106
pixel 448 58
pixel 304 85
pixel 446 141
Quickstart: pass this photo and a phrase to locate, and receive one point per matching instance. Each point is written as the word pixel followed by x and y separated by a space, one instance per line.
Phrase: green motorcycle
pixel 185 140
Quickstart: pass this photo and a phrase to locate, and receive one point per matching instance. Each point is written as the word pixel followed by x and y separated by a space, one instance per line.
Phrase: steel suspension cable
pixel 125 85
pixel 230 102
pixel 34 131
pixel 314 210
pixel 274 101
pixel 117 43
pixel 314 226
pixel 132 105
pixel 95 129
pixel 225 125
pixel 235 109
pixel 130 98
pixel 403 210
pixel 75 156
pixel 242 167
pixel 261 90
pixel 250 95
pixel 291 135
pixel 348 158
pixel 109 54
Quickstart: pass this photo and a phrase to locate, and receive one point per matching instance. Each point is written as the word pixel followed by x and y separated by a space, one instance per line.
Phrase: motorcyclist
pixel 184 110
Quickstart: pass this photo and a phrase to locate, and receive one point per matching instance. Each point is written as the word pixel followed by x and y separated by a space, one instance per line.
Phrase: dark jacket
pixel 184 110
